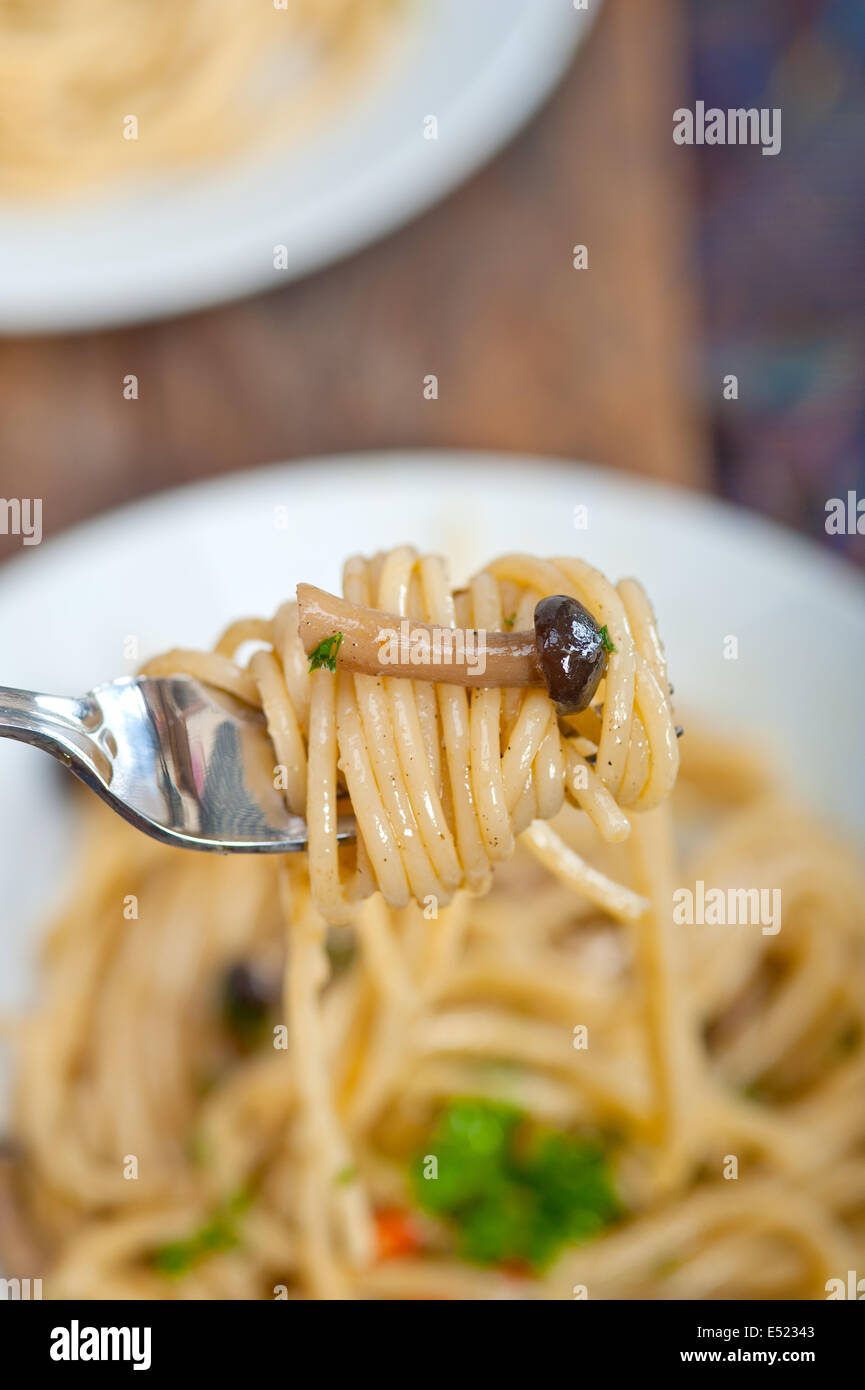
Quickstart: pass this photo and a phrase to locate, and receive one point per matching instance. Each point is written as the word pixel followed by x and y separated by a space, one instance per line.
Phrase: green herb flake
pixel 325 653
pixel 200 1151
pixel 606 640
pixel 217 1235
pixel 346 1174
pixel 509 622
pixel 513 1190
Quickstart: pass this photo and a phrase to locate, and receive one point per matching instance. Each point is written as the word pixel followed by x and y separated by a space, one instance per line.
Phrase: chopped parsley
pixel 346 1174
pixel 218 1234
pixel 606 640
pixel 325 653
pixel 509 622
pixel 513 1190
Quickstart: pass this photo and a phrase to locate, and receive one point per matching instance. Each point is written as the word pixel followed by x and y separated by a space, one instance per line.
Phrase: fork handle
pixel 58 724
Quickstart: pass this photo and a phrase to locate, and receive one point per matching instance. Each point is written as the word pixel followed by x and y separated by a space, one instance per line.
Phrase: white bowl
pixel 176 568
pixel 184 241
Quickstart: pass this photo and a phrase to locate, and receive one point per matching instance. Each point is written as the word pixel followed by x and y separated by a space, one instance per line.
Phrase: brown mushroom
pixel 565 651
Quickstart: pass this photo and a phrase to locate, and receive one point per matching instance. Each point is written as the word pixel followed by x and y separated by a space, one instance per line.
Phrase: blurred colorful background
pixel 782 254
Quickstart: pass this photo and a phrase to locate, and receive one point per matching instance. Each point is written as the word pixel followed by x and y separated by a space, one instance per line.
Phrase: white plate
pixel 173 570
pixel 481 67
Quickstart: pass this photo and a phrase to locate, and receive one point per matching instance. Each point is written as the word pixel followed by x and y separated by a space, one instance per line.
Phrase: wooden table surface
pixel 531 354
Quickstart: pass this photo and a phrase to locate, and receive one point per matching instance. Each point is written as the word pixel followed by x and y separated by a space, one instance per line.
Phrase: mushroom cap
pixel 571 654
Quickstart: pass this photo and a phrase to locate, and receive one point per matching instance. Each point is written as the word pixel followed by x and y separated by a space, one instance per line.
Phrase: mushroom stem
pixel 376 643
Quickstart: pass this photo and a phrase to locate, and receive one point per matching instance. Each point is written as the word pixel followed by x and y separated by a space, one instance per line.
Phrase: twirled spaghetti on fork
pixel 442 780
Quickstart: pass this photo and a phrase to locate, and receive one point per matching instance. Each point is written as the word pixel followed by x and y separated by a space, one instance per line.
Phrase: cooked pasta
pixel 553 1089
pixel 441 782
pixel 97 88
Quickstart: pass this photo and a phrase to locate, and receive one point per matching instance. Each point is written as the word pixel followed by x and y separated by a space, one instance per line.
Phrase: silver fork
pixel 181 761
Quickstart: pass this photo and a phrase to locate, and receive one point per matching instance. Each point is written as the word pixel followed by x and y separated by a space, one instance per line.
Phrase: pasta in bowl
pixel 396 1074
